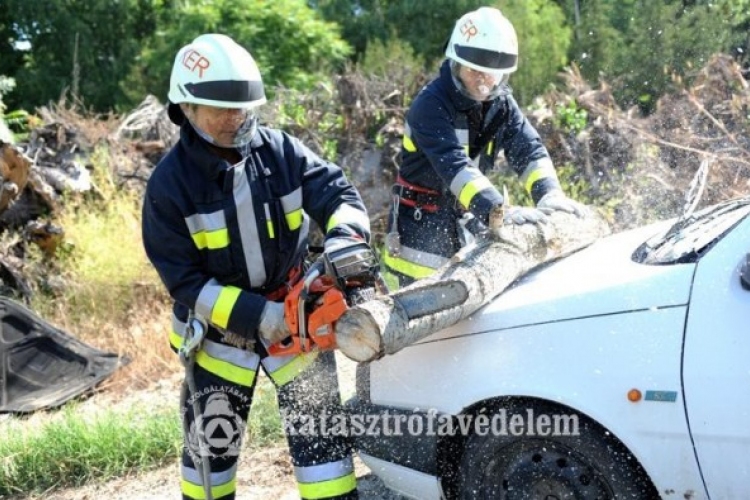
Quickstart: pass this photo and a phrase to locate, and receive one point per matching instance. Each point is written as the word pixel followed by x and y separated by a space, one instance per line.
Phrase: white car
pixel 621 371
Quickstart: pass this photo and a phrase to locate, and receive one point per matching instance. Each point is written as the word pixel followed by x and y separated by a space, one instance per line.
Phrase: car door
pixel 716 366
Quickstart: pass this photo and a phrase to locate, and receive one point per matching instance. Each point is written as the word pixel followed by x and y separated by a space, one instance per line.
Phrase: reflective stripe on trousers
pixel 426 244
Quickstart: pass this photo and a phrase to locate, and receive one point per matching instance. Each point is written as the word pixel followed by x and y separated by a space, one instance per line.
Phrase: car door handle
pixel 745 273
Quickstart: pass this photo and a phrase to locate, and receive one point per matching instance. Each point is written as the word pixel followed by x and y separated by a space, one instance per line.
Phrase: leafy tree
pixel 596 39
pixel 426 25
pixel 543 38
pixel 663 42
pixel 83 47
pixel 737 14
pixel 293 46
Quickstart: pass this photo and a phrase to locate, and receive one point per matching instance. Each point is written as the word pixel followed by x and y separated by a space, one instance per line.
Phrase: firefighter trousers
pixel 307 392
pixel 428 239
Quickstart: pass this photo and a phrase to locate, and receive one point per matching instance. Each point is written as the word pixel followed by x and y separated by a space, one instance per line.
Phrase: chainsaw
pixel 342 277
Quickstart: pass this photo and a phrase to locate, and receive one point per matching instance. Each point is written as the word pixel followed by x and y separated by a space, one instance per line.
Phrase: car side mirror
pixel 745 273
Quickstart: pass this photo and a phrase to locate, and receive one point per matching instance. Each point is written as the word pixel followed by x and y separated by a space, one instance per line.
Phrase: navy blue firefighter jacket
pixel 451 141
pixel 222 236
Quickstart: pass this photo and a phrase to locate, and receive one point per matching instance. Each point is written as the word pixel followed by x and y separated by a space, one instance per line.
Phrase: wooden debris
pixel 14 173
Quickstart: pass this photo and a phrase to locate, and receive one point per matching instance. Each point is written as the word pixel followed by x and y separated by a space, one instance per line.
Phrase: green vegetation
pixel 73 447
pixel 108 55
pixel 102 257
pixel 110 297
pixel 570 117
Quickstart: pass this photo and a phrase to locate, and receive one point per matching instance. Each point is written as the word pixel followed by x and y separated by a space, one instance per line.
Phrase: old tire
pixel 587 467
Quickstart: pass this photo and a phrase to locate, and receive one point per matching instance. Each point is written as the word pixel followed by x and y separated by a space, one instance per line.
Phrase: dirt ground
pixel 262 474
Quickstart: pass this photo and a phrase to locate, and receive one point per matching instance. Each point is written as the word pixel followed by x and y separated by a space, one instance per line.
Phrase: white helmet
pixel 486 41
pixel 215 71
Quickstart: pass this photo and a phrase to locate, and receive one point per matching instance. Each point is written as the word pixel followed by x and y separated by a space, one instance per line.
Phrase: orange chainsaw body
pixel 320 307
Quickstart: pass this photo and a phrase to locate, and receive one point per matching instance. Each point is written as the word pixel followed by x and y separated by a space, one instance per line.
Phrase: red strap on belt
pixel 416 192
pixel 419 189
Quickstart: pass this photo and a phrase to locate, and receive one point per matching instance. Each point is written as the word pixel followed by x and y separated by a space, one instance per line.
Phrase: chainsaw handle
pixel 289 346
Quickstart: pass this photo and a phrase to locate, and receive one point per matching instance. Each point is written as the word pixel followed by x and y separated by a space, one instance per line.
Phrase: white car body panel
pixel 618 325
pixel 717 368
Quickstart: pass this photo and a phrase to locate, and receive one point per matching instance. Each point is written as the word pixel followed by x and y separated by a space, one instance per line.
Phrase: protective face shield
pixel 477 85
pixel 224 127
pixel 484 41
pixel 214 71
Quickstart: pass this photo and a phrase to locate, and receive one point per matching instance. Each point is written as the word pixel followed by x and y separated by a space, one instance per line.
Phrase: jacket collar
pixel 197 149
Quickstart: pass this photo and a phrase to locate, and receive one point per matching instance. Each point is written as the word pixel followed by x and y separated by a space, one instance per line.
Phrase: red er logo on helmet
pixel 194 61
pixel 469 30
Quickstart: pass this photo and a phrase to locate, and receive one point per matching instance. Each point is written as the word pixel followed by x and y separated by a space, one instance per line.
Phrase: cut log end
pixel 357 336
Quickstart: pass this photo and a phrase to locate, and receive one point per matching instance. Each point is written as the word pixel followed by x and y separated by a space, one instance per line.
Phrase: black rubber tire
pixel 590 466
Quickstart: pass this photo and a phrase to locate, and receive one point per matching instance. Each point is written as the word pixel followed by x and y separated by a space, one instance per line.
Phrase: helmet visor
pixel 489 60
pixel 230 91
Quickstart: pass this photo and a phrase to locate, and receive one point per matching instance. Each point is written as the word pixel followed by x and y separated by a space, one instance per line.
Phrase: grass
pixel 72 446
pixel 112 299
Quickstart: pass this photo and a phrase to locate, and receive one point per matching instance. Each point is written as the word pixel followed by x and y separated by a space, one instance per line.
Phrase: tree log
pixel 472 278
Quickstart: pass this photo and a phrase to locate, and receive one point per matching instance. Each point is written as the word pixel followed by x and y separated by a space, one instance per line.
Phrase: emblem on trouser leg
pixel 218 431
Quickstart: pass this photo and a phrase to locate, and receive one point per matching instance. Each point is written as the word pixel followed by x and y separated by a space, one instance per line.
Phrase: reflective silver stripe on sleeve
pixel 206 222
pixel 462 135
pixel 347 214
pixel 323 472
pixel 207 298
pixel 462 178
pixel 292 201
pixel 248 224
pixel 217 478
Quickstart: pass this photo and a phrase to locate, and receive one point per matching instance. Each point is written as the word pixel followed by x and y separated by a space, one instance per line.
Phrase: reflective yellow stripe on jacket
pixel 346 214
pixel 215 302
pixel 467 183
pixel 537 170
pixel 208 230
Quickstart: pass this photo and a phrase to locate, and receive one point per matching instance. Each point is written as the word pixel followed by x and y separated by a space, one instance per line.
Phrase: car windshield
pixel 689 238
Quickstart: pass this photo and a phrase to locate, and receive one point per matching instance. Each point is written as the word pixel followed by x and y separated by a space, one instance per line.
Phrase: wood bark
pixel 473 277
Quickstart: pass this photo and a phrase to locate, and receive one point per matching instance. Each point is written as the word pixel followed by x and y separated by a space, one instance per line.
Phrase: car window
pixel 689 238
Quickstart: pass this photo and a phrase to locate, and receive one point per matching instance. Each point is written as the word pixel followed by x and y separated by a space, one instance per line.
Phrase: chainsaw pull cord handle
pixel 195 332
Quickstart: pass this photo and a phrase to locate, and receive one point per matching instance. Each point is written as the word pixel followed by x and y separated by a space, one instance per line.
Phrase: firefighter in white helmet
pixel 454 130
pixel 226 217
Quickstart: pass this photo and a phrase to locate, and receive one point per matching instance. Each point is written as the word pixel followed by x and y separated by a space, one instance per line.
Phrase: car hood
pixel 598 280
